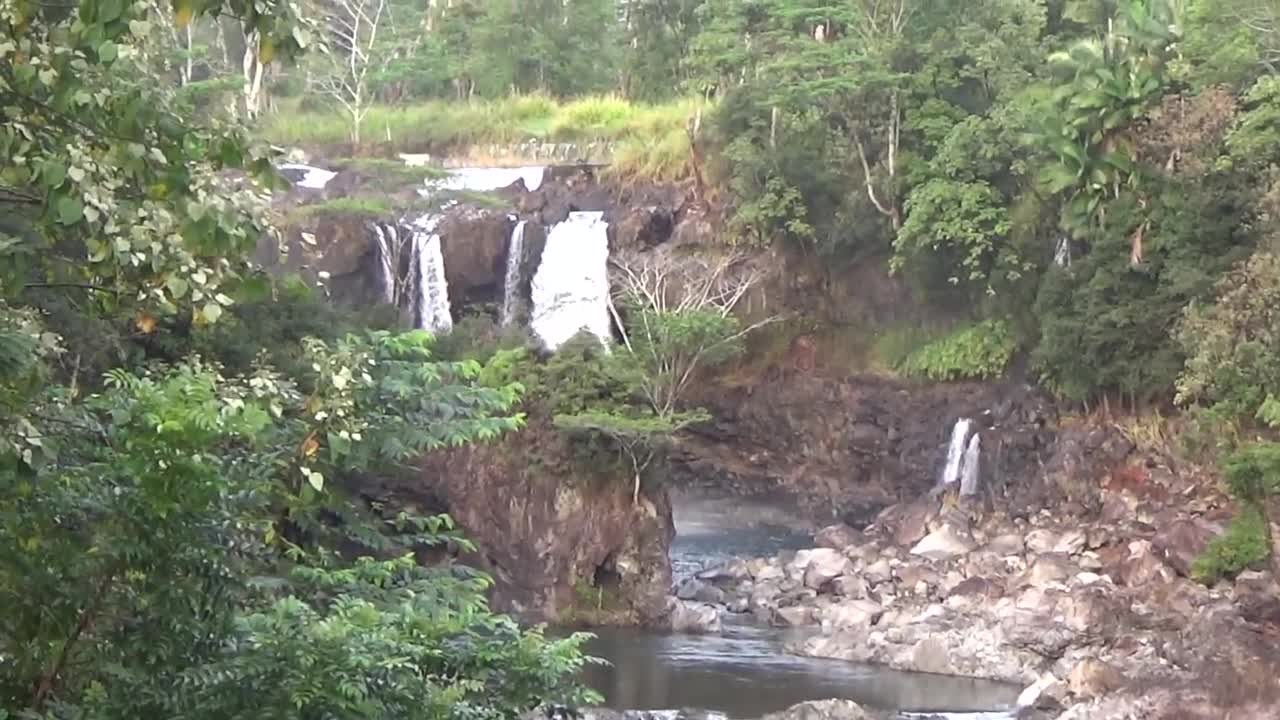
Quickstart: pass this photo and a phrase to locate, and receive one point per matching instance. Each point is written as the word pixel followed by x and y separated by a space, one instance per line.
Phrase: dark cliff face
pixel 848 447
pixel 554 531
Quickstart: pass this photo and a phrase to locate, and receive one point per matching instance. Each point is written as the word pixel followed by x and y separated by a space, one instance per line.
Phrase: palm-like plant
pixel 1107 84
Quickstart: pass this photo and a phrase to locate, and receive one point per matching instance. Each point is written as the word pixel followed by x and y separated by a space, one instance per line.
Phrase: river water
pixel 744 672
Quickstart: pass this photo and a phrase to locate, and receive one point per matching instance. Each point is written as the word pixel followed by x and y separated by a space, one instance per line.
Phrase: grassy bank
pixel 649 140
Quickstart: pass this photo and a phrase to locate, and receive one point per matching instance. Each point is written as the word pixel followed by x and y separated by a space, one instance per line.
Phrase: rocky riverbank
pixel 1083 595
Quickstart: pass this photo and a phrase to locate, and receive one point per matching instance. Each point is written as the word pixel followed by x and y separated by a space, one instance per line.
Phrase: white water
pixel 314 179
pixel 969 471
pixel 511 282
pixel 431 300
pixel 1062 252
pixel 486 179
pixel 570 289
pixel 386 236
pixel 955 451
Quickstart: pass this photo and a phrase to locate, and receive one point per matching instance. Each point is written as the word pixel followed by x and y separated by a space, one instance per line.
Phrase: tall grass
pixel 650 140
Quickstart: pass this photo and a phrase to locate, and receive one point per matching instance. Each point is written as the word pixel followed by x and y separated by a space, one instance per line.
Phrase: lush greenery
pixel 980 351
pixel 177 432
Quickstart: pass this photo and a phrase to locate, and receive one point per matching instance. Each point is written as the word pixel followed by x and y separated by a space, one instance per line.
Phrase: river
pixel 744 672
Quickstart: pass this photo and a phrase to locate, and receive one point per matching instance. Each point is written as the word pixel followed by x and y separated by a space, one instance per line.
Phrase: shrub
pixel 978 351
pixel 1244 544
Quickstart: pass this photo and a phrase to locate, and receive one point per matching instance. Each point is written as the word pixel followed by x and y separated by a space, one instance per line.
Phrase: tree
pixel 355 33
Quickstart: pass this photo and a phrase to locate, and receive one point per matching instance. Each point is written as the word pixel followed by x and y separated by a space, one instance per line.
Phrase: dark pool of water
pixel 745 673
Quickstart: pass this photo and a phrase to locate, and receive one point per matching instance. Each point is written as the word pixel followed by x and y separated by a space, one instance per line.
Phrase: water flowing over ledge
pixel 570 290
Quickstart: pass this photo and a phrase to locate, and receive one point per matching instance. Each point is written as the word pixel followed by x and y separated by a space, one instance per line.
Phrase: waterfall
pixel 1062 252
pixel 511 282
pixel 956 452
pixel 484 179
pixel 386 237
pixel 969 472
pixel 312 178
pixel 431 299
pixel 570 290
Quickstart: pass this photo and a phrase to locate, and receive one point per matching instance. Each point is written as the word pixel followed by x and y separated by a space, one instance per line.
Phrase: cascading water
pixel 312 178
pixel 969 472
pixel 431 299
pixel 1062 252
pixel 570 290
pixel 511 300
pixel 955 452
pixel 386 237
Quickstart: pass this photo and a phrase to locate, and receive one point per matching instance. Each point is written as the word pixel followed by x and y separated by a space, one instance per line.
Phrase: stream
pixel 745 672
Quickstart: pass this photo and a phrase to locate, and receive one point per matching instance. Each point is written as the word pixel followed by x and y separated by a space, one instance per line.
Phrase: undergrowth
pixel 973 352
pixel 1242 545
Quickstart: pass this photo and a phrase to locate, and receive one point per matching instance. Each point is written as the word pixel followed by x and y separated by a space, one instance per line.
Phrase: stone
pixel 911 576
pixel 850 614
pixel 945 543
pixel 1140 566
pixel 1049 568
pixel 738 605
pixel 1070 542
pixel 688 617
pixel 710 594
pixel 792 616
pixel 1007 544
pixel 731 572
pixel 849 586
pixel 1046 693
pixel 1094 678
pixel 837 537
pixel 1180 542
pixel 825 565
pixel 932 656
pixel 688 589
pixel 978 587
pixel 762 570
pixel 878 572
pixel 822 710
pixel 1041 540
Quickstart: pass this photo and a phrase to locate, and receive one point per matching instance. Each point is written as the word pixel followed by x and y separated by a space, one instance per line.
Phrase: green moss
pixel 372 208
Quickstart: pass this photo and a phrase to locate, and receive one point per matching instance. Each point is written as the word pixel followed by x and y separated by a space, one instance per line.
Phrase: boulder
pixel 1007 544
pixel 1180 542
pixel 1047 693
pixel 822 565
pixel 1139 566
pixel 878 572
pixel 688 617
pixel 850 614
pixel 1070 542
pixel 1041 540
pixel 849 586
pixel 792 616
pixel 822 710
pixel 1049 568
pixel 764 569
pixel 837 537
pixel 1094 678
pixel 731 572
pixel 945 543
pixel 911 522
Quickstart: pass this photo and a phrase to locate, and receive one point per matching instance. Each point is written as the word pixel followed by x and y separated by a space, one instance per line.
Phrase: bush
pixel 977 351
pixel 1244 544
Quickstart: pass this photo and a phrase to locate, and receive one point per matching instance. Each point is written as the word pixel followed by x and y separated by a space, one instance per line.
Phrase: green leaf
pixel 70 210
pixel 211 312
pixel 107 52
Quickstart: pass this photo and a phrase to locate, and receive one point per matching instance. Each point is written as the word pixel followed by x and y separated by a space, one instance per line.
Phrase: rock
pixel 688 589
pixel 762 569
pixel 1093 678
pixel 1071 542
pixel 1048 568
pixel 1007 544
pixel 738 605
pixel 792 616
pixel 850 614
pixel 911 523
pixel 731 572
pixel 945 543
pixel 823 566
pixel 837 537
pixel 977 587
pixel 849 586
pixel 1139 567
pixel 687 617
pixel 822 710
pixel 1044 694
pixel 709 594
pixel 1041 540
pixel 911 576
pixel 1179 543
pixel 932 656
pixel 878 572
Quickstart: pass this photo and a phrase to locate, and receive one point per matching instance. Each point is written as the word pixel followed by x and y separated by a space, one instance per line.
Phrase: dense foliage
pixel 177 431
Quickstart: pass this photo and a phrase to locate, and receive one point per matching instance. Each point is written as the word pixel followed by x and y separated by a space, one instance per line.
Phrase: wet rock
pixel 822 710
pixel 731 572
pixel 1093 678
pixel 688 617
pixel 945 543
pixel 1046 693
pixel 688 589
pixel 793 616
pixel 850 614
pixel 738 605
pixel 763 570
pixel 837 537
pixel 1179 543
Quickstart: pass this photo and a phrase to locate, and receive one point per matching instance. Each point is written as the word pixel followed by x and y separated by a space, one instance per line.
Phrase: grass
pixel 649 140
pixel 392 170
